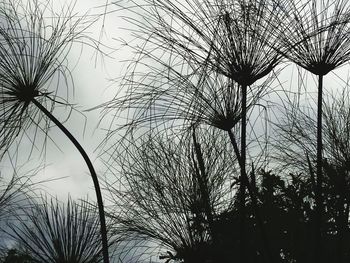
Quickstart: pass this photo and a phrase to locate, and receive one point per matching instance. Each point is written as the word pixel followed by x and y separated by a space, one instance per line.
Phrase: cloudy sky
pixel 93 86
pixel 92 78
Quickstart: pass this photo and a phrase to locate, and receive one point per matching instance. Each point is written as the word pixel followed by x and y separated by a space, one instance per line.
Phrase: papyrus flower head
pixel 34 44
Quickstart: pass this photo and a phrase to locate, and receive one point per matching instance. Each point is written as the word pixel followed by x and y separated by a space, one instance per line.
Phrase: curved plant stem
pixel 92 173
pixel 318 192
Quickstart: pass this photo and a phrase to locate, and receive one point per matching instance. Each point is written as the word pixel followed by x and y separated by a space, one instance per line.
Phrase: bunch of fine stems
pixel 227 39
pixel 14 191
pixel 59 233
pixel 169 191
pixel 314 35
pixel 242 40
pixel 34 45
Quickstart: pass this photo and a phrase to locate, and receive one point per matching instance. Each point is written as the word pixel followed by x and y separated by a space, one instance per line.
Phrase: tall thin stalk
pixel 243 176
pixel 92 173
pixel 319 173
pixel 203 181
pixel 245 184
pixel 34 46
pixel 314 35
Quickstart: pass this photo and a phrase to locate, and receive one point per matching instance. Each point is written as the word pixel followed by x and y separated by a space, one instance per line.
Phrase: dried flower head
pixel 179 96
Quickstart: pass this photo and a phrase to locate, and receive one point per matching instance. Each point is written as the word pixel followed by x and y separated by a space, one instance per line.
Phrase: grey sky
pixel 92 87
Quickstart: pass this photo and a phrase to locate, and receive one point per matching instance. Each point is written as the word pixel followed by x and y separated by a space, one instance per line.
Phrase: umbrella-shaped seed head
pixel 314 34
pixel 244 55
pixel 321 68
pixel 35 42
pixel 225 123
pixel 26 94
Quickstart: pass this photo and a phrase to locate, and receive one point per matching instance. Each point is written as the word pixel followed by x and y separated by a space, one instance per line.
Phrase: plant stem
pixel 243 176
pixel 203 186
pixel 318 192
pixel 244 183
pixel 92 173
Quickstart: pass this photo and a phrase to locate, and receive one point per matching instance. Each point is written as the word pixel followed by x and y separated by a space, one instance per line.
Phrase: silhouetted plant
pixel 33 66
pixel 168 192
pixel 201 45
pixel 286 202
pixel 13 192
pixel 337 204
pixel 298 131
pixel 213 38
pixel 31 58
pixel 228 36
pixel 60 233
pixel 297 127
pixel 15 189
pixel 13 256
pixel 179 97
pixel 314 35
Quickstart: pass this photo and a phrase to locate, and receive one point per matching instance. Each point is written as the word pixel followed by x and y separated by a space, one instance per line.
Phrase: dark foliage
pixel 13 256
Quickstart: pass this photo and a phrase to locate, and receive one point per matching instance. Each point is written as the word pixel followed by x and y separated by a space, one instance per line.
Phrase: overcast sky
pixel 93 86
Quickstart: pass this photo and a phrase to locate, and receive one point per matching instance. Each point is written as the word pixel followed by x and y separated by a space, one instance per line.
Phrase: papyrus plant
pixel 314 35
pixel 169 192
pixel 34 77
pixel 222 37
pixel 54 232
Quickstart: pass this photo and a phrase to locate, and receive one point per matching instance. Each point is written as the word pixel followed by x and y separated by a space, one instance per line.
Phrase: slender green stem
pixel 318 192
pixel 92 173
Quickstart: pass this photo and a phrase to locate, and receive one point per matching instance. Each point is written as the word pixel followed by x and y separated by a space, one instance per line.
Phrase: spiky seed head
pixel 314 34
pixel 34 44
